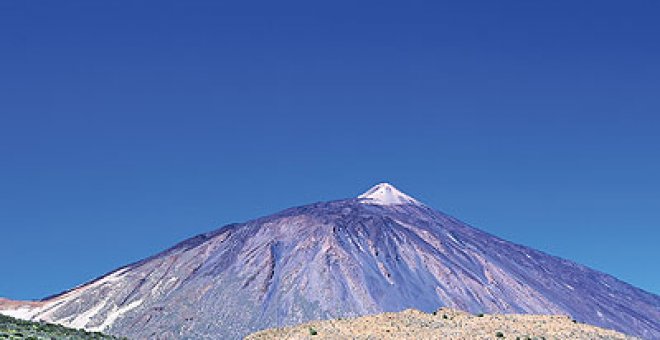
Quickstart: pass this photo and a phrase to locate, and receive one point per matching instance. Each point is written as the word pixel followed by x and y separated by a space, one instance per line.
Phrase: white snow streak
pixel 116 313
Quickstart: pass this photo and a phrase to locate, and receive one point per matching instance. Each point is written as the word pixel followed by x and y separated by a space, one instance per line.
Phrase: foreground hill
pixel 383 251
pixel 444 324
pixel 11 328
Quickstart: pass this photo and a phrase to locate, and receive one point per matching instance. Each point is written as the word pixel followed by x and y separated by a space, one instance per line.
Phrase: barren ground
pixel 445 324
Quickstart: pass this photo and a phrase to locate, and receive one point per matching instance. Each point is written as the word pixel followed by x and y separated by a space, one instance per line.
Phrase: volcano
pixel 383 251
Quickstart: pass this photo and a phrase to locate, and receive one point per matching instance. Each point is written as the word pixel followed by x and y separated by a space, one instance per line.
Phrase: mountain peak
pixel 386 194
pixel 388 254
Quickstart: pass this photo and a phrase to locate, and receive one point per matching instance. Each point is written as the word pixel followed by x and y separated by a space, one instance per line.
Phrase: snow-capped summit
pixel 386 194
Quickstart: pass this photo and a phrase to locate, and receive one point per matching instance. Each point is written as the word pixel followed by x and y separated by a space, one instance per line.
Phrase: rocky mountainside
pixel 443 324
pixel 380 252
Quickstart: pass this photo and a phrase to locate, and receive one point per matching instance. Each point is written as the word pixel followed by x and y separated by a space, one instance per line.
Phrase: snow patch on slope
pixel 83 319
pixel 116 313
pixel 24 313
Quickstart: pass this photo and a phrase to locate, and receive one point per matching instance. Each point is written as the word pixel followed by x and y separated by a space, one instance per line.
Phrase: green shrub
pixel 499 335
pixel 312 331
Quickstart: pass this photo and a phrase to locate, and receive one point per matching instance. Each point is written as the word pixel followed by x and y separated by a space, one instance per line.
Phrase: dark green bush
pixel 11 328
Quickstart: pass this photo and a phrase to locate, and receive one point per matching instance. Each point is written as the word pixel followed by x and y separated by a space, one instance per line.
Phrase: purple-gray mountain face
pixel 383 251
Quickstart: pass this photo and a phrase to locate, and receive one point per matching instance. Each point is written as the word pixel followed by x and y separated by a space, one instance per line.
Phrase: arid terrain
pixel 444 324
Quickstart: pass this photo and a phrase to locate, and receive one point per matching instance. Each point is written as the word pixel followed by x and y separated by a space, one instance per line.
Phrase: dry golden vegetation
pixel 443 324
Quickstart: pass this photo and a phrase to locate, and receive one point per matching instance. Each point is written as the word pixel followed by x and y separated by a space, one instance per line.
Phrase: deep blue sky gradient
pixel 127 126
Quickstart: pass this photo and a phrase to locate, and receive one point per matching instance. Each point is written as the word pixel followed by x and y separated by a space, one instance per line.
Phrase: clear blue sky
pixel 127 126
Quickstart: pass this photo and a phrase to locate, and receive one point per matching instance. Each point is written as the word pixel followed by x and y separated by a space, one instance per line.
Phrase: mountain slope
pixel 383 251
